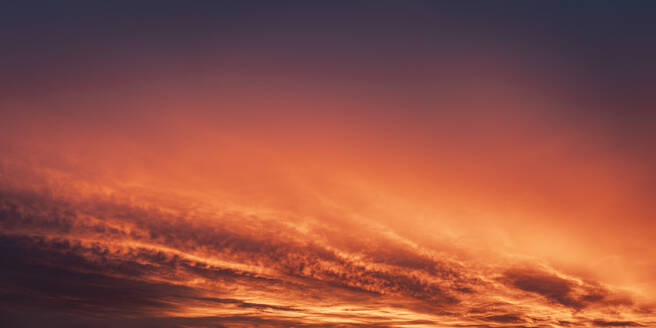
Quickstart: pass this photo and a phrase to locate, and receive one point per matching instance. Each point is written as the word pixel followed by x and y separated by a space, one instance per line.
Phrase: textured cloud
pixel 569 293
pixel 143 259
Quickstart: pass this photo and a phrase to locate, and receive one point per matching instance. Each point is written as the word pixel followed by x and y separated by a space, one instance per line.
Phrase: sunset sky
pixel 328 164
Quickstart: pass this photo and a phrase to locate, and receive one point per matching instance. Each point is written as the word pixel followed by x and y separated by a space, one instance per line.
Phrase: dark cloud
pixel 604 323
pixel 563 291
pixel 504 318
pixel 29 282
pixel 289 257
pixel 553 288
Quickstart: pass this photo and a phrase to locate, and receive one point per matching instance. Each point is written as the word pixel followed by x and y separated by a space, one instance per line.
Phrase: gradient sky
pixel 328 164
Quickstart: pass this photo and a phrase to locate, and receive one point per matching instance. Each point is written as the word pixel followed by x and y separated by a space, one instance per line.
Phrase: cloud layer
pixel 135 258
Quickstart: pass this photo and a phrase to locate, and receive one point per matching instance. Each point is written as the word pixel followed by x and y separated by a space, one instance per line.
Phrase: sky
pixel 327 164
